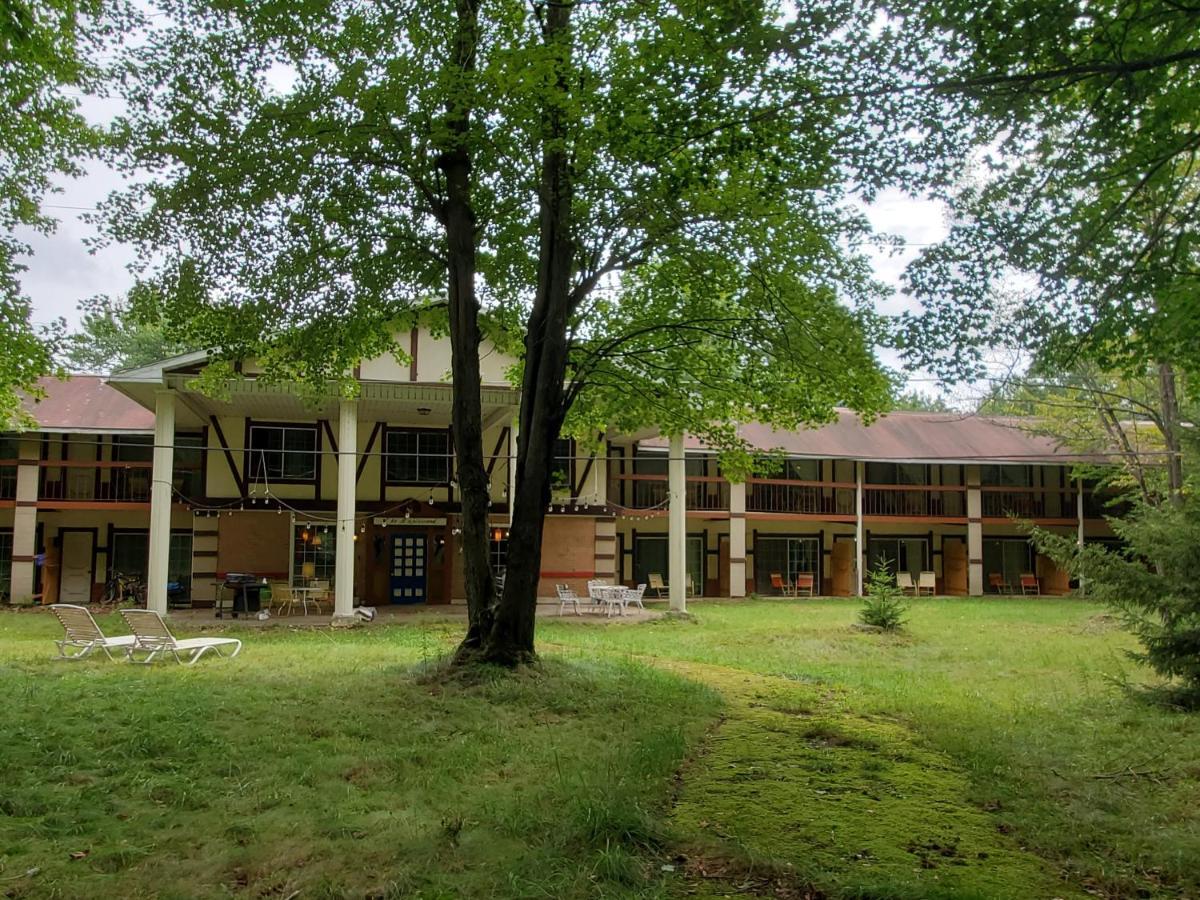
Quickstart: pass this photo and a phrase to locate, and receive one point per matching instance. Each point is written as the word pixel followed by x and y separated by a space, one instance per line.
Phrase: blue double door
pixel 410 568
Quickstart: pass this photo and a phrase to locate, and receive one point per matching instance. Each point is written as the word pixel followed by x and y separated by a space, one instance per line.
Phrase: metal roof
pixel 84 403
pixel 910 437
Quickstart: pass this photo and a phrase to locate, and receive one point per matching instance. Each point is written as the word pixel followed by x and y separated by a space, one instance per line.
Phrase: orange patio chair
pixel 1029 584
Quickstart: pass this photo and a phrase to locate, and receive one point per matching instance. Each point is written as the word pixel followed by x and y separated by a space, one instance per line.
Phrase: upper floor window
pixel 896 473
pixel 561 464
pixel 283 452
pixel 133 448
pixel 189 464
pixel 1005 476
pixel 417 456
pixel 803 469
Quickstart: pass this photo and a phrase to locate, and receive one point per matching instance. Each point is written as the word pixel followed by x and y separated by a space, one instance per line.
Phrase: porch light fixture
pixel 423 410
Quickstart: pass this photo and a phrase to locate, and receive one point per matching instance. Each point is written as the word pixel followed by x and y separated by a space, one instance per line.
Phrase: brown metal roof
pixel 908 436
pixel 86 403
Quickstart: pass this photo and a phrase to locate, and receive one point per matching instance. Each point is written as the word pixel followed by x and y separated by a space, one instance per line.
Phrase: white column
pixel 677 525
pixel 974 533
pixel 343 586
pixel 859 549
pixel 24 541
pixel 160 500
pixel 1079 517
pixel 737 539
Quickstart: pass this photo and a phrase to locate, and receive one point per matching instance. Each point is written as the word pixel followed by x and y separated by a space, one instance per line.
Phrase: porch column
pixel 1079 519
pixel 737 539
pixel 860 551
pixel 343 586
pixel 677 525
pixel 24 540
pixel 974 533
pixel 160 501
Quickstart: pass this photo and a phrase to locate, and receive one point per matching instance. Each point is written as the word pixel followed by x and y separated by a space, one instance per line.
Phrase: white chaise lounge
pixel 152 637
pixel 83 636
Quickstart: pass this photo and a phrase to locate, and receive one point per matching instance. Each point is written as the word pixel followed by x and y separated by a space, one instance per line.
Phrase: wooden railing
pixel 904 500
pixel 782 495
pixel 703 492
pixel 76 480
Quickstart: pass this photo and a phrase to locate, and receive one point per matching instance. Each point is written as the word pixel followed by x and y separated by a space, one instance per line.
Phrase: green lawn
pixel 763 748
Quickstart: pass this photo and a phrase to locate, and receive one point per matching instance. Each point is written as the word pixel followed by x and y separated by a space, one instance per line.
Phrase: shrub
pixel 884 606
pixel 1152 583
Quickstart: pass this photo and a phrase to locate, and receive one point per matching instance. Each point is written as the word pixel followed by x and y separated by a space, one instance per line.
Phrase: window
pixel 1005 476
pixel 1007 558
pixel 8 474
pixel 899 555
pixel 179 560
pixel 6 546
pixel 129 553
pixel 560 464
pixel 787 556
pixel 314 552
pixel 133 448
pixel 189 465
pixel 283 452
pixel 895 473
pixel 417 456
pixel 803 469
pixel 498 550
pixel 651 555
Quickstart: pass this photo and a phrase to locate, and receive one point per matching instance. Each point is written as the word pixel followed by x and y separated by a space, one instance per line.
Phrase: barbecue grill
pixel 243 588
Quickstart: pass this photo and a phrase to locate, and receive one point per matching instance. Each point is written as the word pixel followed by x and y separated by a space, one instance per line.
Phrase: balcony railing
pixel 781 495
pixel 703 492
pixel 914 500
pixel 105 482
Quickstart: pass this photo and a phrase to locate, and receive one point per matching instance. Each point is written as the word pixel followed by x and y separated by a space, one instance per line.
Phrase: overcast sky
pixel 64 270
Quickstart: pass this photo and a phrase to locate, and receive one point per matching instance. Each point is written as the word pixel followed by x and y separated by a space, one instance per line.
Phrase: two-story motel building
pixel 140 473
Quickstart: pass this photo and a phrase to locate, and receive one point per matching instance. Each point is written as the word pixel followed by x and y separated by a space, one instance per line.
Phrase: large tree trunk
pixel 458 219
pixel 510 641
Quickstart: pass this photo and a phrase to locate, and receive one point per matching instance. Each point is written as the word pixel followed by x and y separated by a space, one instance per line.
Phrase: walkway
pixel 795 795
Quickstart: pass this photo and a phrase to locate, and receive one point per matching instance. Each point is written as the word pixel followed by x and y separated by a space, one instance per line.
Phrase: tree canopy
pixel 119 333
pixel 48 49
pixel 1075 231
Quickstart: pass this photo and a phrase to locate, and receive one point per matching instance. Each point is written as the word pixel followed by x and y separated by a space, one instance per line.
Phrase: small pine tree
pixel 884 606
pixel 1152 583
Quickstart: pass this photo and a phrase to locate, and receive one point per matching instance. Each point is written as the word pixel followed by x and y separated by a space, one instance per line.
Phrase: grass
pixel 982 752
pixel 1018 695
pixel 333 765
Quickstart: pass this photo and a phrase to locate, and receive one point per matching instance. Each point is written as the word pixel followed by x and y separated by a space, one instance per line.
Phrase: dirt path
pixel 795 795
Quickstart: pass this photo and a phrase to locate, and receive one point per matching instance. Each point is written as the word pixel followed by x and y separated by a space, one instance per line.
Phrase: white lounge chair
pixel 927 583
pixel 83 636
pixel 154 639
pixel 904 581
pixel 657 584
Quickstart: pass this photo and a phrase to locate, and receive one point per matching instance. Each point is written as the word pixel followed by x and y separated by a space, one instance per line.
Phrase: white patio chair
pixel 904 581
pixel 154 639
pixel 82 635
pixel 566 594
pixel 634 595
pixel 926 582
pixel 657 584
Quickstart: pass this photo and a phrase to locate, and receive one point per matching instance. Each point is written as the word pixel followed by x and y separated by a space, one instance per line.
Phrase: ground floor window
pixel 1008 558
pixel 179 560
pixel 129 553
pixel 899 554
pixel 314 552
pixel 498 550
pixel 6 547
pixel 788 557
pixel 651 554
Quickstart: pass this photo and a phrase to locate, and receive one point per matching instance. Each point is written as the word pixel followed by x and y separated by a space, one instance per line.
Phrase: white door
pixel 76 582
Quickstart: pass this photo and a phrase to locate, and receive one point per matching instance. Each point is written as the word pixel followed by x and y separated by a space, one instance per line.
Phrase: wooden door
pixel 954 566
pixel 841 562
pixel 76 583
pixel 408 582
pixel 1051 578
